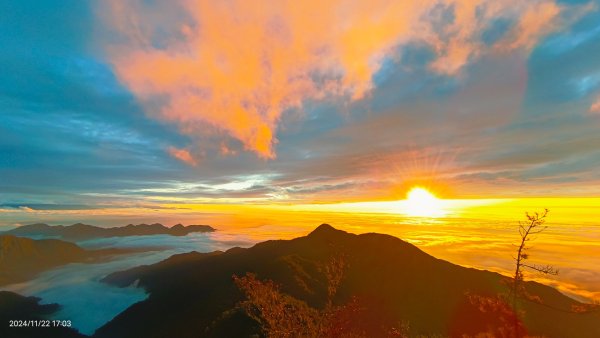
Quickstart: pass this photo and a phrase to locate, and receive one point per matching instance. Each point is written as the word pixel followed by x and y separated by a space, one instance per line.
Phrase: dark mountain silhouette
pixel 14 306
pixel 81 231
pixel 193 295
pixel 23 258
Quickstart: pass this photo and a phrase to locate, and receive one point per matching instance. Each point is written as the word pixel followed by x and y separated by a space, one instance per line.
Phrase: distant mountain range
pixel 194 294
pixel 23 258
pixel 82 231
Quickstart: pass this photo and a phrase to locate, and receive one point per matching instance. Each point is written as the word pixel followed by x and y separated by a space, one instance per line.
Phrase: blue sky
pixel 78 130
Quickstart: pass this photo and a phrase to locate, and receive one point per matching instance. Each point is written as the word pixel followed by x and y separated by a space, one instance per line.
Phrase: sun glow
pixel 420 202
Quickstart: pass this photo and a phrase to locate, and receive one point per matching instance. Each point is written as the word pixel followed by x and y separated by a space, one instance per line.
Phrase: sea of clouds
pixel 87 302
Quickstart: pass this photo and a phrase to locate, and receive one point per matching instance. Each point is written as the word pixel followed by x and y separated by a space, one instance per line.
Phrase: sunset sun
pixel 420 202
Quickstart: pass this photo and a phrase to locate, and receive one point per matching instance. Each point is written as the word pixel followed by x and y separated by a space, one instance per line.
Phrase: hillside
pixel 81 231
pixel 14 306
pixel 194 295
pixel 23 258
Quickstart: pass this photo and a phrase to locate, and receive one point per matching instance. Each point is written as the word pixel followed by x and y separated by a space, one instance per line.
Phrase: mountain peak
pixel 81 225
pixel 325 230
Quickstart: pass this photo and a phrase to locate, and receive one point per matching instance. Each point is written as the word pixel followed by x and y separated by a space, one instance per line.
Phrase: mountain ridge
pixel 23 258
pixel 80 231
pixel 397 279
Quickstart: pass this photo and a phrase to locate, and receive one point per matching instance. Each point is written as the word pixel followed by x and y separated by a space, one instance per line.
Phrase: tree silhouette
pixel 280 315
pixel 533 225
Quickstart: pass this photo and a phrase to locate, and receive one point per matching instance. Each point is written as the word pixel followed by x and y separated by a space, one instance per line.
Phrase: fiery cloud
pixel 234 67
pixel 183 155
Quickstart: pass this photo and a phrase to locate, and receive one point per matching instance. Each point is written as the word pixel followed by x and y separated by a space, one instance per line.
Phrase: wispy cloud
pixel 231 69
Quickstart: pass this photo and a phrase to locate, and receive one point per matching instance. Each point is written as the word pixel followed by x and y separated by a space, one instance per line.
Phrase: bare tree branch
pixel 533 225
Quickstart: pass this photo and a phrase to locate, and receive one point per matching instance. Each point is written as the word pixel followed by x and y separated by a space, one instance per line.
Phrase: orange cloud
pixel 225 150
pixel 183 155
pixel 595 107
pixel 234 67
pixel 536 21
